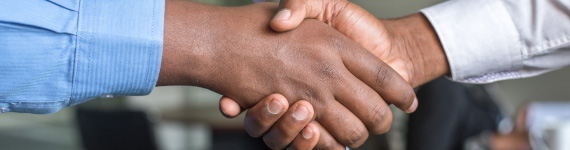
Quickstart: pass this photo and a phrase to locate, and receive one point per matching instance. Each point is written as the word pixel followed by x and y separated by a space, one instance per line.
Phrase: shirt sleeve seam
pixel 148 70
pixel 76 55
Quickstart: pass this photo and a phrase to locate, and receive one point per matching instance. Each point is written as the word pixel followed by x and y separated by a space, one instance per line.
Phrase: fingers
pixel 288 127
pixel 293 127
pixel 383 79
pixel 326 140
pixel 307 139
pixel 291 13
pixel 341 123
pixel 229 107
pixel 264 114
pixel 366 104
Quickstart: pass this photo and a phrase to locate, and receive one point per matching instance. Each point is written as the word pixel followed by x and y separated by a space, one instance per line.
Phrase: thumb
pixel 292 12
pixel 229 107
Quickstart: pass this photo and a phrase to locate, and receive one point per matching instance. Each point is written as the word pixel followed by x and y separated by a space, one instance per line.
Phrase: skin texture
pixel 232 51
pixel 409 44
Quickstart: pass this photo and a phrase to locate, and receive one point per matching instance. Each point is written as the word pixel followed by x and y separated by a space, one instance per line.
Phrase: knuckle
pixel 382 127
pixel 260 121
pixel 278 138
pixel 255 125
pixel 380 119
pixel 341 44
pixel 356 137
pixel 252 130
pixel 379 113
pixel 328 71
pixel 331 40
pixel 382 76
pixel 285 135
pixel 337 43
pixel 326 145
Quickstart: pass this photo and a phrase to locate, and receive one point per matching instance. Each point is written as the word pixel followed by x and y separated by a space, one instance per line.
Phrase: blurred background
pixel 188 118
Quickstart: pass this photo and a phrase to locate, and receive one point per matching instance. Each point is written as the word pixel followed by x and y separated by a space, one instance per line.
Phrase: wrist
pixel 198 39
pixel 185 59
pixel 415 36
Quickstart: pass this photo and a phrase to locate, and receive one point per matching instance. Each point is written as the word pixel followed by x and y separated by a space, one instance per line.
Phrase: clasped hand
pixel 338 89
pixel 267 119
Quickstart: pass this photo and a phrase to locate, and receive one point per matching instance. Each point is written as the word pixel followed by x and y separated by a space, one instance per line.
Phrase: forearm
pixel 415 35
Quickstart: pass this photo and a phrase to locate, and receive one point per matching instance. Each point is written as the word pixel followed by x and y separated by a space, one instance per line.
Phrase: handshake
pixel 320 74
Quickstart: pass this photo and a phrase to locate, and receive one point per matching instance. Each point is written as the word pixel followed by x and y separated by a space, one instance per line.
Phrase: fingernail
pixel 413 107
pixel 308 133
pixel 274 107
pixel 301 113
pixel 282 15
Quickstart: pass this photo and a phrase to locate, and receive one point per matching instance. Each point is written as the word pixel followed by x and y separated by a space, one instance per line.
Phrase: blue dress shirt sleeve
pixel 58 53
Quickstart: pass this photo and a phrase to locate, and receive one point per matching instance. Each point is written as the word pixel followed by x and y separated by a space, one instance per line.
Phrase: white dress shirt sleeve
pixel 492 40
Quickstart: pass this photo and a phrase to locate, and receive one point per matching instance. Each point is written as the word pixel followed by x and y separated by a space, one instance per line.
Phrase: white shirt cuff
pixel 479 38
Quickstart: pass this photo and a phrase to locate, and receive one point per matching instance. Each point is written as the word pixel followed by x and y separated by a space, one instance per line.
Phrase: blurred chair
pixel 115 129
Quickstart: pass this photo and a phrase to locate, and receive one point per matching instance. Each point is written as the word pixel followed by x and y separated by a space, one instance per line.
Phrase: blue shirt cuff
pixel 119 48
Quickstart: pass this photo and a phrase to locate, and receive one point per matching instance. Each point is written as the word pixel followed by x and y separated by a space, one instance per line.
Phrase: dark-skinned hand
pixel 409 45
pixel 231 50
